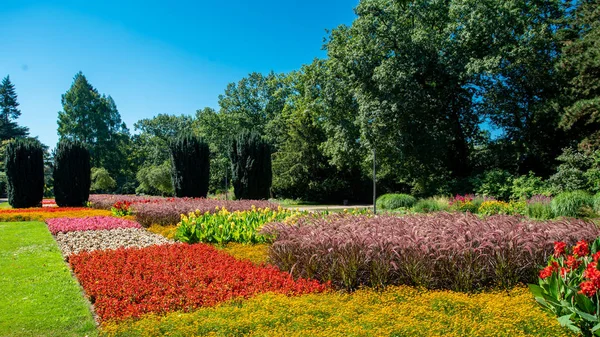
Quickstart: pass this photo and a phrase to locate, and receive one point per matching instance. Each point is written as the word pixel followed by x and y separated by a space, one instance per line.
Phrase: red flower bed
pixel 131 282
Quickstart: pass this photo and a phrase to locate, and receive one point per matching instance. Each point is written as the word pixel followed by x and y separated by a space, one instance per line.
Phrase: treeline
pixel 453 96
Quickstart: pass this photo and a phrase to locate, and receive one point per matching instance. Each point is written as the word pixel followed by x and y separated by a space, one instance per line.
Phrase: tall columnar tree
pixel 190 159
pixel 251 167
pixel 25 173
pixel 72 176
pixel 9 112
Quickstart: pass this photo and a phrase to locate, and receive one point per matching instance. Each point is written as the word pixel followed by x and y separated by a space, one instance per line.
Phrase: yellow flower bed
pixel 42 214
pixel 257 253
pixel 397 311
pixel 166 231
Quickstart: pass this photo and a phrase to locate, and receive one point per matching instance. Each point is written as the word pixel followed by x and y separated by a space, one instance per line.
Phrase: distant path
pixel 312 208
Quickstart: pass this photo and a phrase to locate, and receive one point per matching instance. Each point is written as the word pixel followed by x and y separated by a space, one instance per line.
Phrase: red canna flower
pixel 581 248
pixel 588 288
pixel 559 248
pixel 572 262
pixel 546 272
pixel 596 256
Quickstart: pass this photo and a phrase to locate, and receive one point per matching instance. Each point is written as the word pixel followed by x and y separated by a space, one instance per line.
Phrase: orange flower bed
pixel 43 213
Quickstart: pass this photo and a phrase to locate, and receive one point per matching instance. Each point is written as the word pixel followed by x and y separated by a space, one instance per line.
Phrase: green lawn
pixel 4 205
pixel 38 295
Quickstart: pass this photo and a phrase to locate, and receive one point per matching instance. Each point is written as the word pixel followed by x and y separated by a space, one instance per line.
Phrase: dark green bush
pixel 252 175
pixel 430 205
pixel 572 204
pixel 395 201
pixel 190 159
pixel 72 176
pixel 25 173
pixel 495 183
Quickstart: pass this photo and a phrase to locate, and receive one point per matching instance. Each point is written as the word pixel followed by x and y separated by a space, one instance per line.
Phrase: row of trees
pixel 454 96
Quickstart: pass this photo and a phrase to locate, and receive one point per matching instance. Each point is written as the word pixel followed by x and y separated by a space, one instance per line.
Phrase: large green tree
pixel 94 119
pixel 9 112
pixel 581 60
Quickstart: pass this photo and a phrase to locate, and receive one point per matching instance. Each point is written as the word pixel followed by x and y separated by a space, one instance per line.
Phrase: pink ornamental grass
pixel 64 225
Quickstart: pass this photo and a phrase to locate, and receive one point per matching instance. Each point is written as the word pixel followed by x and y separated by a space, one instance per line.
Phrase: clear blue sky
pixel 153 56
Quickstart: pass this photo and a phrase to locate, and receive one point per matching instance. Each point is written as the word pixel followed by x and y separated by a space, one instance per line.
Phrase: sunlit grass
pixel 38 296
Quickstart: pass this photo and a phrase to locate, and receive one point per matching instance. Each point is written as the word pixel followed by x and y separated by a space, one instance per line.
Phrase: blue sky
pixel 153 56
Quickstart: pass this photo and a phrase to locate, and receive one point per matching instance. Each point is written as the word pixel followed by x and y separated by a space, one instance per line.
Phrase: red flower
pixel 588 288
pixel 546 272
pixel 559 248
pixel 572 262
pixel 596 256
pixel 581 248
pixel 592 273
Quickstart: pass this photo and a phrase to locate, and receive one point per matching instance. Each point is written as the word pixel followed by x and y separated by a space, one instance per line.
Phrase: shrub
pixel 71 174
pixel 467 203
pixel 444 250
pixel 568 286
pixel 395 201
pixel 430 205
pixel 252 175
pixel 494 207
pixel 538 207
pixel 571 173
pixel 495 183
pixel 25 173
pixel 572 204
pixel 223 226
pixel 526 186
pixel 597 203
pixel 159 279
pixel 101 180
pixel 190 160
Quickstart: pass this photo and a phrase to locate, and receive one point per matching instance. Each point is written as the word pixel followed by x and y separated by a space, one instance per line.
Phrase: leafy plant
pixel 526 186
pixel 121 208
pixel 395 201
pixel 597 203
pixel 25 173
pixel 572 204
pixel 72 175
pixel 496 183
pixel 568 287
pixel 494 207
pixel 223 226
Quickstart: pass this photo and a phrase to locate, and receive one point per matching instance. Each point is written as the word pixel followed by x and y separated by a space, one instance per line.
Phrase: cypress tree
pixel 190 158
pixel 251 167
pixel 72 177
pixel 25 173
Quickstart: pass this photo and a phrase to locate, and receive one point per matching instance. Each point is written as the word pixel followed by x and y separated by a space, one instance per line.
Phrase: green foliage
pixel 9 112
pixel 580 62
pixel 94 120
pixel 25 173
pixel 495 183
pixel 597 203
pixel 540 211
pixel 431 205
pixel 251 167
pixel 155 179
pixel 223 226
pixel 572 204
pixel 72 174
pixel 190 161
pixel 101 180
pixel 526 186
pixel 395 201
pixel 571 173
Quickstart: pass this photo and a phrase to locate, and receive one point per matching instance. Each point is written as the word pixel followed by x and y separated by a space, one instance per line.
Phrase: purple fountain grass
pixel 460 252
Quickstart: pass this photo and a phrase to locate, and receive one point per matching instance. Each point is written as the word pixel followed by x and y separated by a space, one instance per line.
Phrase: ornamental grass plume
pixel 460 252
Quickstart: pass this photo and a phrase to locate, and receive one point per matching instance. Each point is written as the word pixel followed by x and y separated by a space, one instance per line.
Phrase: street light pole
pixel 374 182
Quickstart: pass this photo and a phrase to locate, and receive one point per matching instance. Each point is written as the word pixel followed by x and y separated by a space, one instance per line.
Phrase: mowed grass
pixel 38 296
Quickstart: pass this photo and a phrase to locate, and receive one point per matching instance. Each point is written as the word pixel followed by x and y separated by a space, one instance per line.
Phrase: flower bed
pixel 449 251
pixel 397 311
pixel 130 282
pixel 78 241
pixel 106 201
pixel 41 214
pixel 224 226
pixel 64 225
